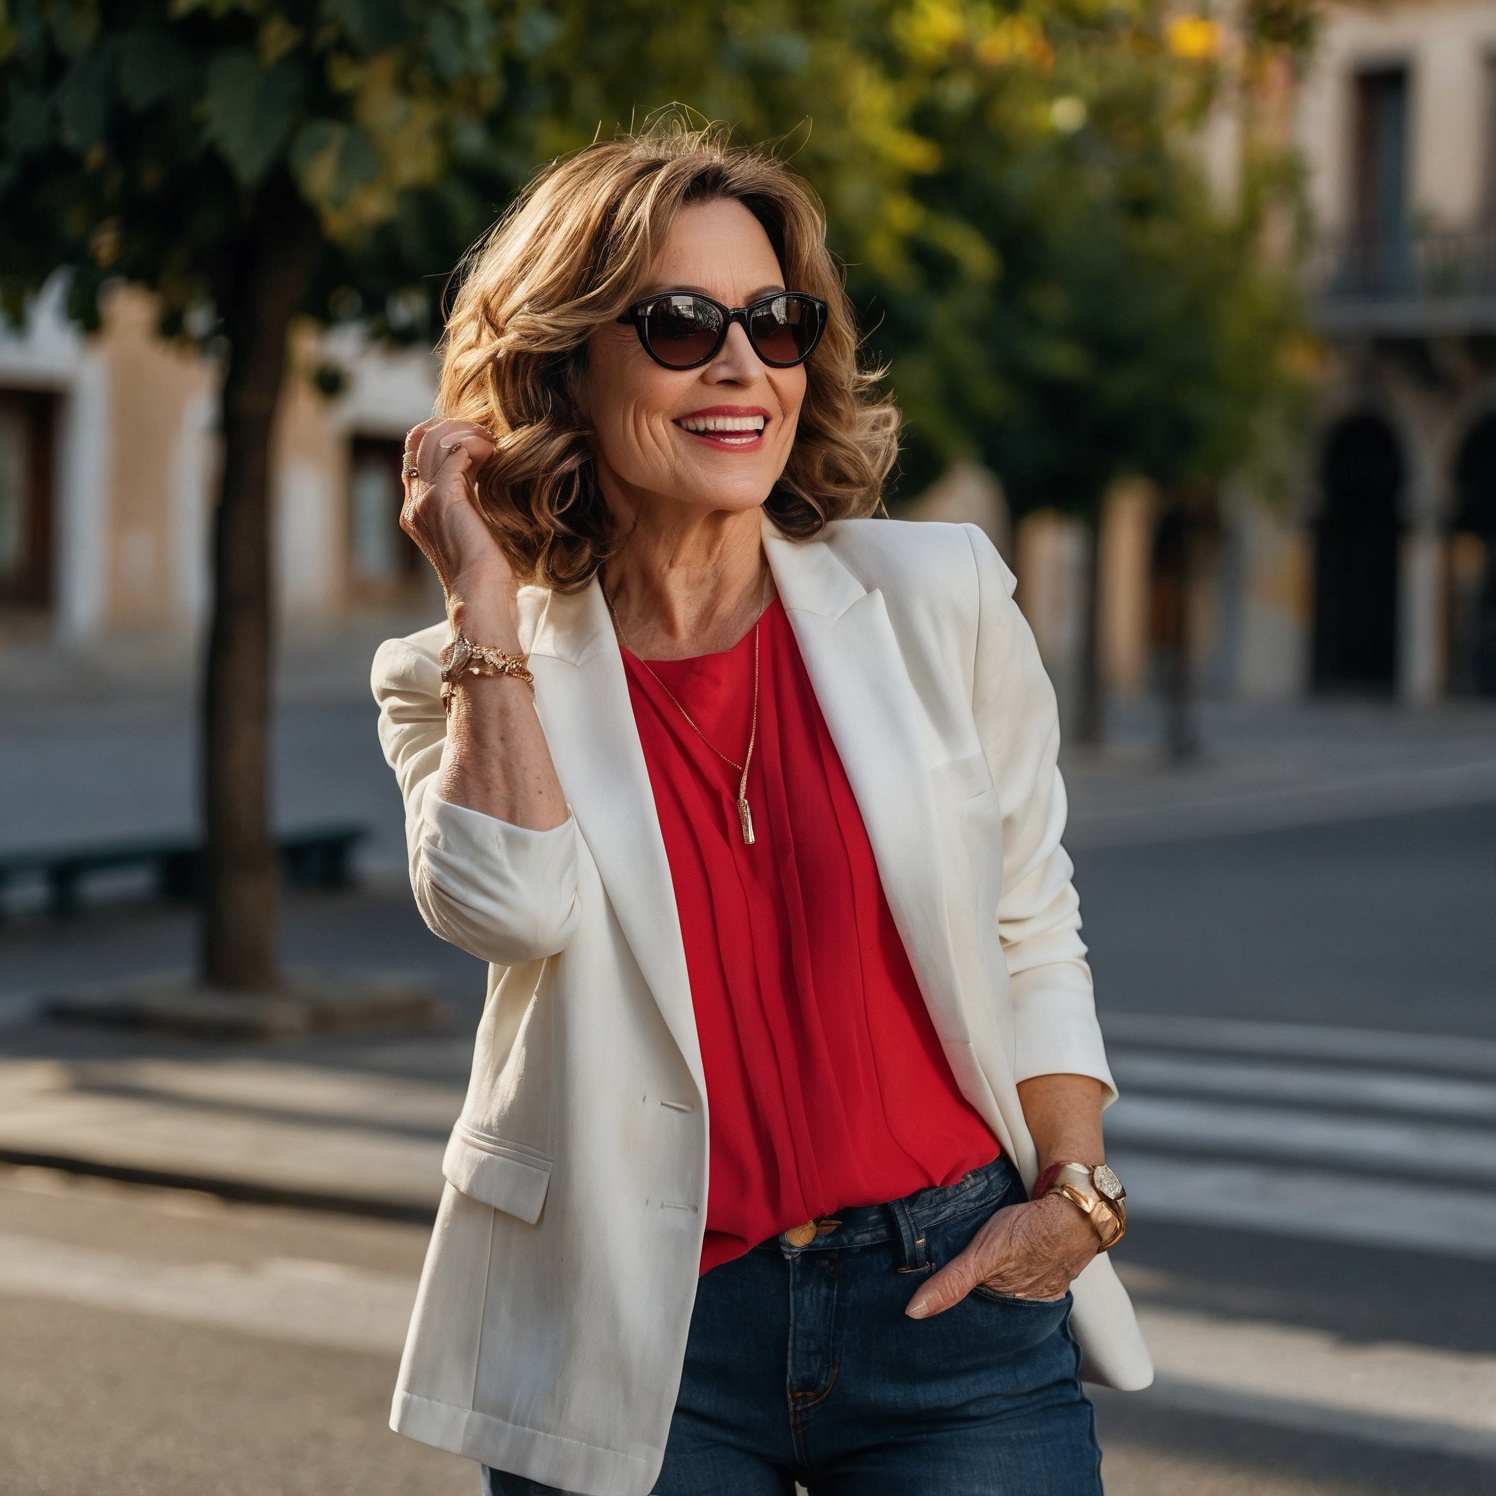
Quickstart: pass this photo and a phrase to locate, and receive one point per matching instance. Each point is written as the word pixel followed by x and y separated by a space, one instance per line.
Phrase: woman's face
pixel 654 440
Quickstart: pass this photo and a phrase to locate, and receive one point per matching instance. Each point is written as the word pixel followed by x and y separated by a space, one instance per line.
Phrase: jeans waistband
pixel 907 1219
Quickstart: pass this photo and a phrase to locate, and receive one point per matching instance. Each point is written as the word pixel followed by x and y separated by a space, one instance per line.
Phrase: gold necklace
pixel 745 815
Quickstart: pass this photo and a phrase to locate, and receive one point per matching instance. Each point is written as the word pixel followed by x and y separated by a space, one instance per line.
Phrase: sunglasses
pixel 684 330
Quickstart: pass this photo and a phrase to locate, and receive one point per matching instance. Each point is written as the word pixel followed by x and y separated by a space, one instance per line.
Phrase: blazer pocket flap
pixel 504 1175
pixel 962 778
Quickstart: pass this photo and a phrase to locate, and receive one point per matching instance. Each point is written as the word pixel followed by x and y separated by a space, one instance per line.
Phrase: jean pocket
pixel 992 1296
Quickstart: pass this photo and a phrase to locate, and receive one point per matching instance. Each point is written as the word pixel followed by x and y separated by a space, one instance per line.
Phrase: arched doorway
pixel 1355 572
pixel 1472 565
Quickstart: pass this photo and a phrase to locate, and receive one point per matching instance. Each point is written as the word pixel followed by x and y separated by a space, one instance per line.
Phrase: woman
pixel 752 804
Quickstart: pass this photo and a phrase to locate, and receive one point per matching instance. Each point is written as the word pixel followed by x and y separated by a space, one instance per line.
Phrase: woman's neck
pixel 687 581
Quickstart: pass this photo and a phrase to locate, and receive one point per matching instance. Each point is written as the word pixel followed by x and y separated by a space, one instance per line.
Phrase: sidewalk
pixel 354 1131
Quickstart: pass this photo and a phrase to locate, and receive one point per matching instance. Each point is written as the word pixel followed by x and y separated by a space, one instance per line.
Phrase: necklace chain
pixel 745 814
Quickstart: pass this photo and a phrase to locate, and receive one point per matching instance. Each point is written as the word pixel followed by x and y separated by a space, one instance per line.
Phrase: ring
pixel 411 472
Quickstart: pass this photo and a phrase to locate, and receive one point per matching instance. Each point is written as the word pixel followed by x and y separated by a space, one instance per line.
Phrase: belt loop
pixel 911 1239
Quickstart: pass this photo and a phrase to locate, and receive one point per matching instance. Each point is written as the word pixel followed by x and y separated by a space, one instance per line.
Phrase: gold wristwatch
pixel 1093 1189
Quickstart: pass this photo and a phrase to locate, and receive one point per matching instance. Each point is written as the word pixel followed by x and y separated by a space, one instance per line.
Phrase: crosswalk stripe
pixel 1360 1089
pixel 1349 1135
pixel 1238 1129
pixel 1455 1054
pixel 1308 1203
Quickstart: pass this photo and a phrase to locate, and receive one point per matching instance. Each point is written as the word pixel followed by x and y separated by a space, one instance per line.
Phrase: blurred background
pixel 1193 310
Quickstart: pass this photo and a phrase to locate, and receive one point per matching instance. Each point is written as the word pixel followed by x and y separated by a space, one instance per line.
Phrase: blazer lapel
pixel 874 716
pixel 872 712
pixel 582 697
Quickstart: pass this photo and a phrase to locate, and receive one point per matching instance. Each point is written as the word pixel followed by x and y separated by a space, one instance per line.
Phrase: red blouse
pixel 827 1084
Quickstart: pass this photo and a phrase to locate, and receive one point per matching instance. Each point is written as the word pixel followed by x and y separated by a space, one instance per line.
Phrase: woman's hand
pixel 1030 1251
pixel 441 512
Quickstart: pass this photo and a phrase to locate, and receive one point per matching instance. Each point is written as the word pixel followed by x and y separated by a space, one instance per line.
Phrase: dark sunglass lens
pixel 784 329
pixel 682 330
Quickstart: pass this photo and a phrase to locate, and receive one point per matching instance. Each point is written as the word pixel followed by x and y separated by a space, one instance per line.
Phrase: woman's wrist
pixel 486 613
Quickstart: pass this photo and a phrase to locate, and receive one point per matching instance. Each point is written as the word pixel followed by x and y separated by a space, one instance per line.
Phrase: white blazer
pixel 550 1326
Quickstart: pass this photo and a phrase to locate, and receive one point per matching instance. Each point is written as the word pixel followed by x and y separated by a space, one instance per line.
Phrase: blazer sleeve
pixel 1038 912
pixel 501 892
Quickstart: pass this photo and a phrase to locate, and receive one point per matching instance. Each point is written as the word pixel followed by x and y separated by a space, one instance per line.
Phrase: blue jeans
pixel 802 1366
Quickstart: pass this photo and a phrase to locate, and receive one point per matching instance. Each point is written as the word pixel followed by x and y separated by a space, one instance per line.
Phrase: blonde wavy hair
pixel 571 254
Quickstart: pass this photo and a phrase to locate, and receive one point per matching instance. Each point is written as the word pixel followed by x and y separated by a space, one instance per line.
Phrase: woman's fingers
pixel 440 512
pixel 442 441
pixel 1032 1251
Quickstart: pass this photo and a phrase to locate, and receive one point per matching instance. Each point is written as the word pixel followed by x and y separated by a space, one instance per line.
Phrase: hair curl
pixel 570 255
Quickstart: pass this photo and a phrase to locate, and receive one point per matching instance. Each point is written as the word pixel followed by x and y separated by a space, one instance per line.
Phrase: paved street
pixel 1295 958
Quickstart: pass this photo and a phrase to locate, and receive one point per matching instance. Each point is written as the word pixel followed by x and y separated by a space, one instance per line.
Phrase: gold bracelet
pixel 462 657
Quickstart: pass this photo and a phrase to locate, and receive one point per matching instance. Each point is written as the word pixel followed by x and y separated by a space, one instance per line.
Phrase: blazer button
pixel 801 1236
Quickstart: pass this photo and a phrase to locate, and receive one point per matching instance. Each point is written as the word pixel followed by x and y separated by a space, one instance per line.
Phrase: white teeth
pixel 747 425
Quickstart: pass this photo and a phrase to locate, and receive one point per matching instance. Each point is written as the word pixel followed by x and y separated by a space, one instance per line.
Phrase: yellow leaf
pixel 1016 39
pixel 1194 38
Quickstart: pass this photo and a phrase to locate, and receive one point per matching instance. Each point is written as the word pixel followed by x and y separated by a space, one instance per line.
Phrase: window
pixel 25 499
pixel 385 562
pixel 1380 181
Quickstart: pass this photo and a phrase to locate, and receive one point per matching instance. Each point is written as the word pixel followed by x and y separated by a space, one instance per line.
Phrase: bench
pixel 317 857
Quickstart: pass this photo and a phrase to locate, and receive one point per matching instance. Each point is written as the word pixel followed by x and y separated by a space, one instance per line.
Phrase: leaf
pixel 83 101
pixel 332 160
pixel 371 25
pixel 250 110
pixel 153 64
pixel 28 123
pixel 537 31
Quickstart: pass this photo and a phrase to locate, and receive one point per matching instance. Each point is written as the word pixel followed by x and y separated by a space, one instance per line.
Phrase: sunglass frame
pixel 638 315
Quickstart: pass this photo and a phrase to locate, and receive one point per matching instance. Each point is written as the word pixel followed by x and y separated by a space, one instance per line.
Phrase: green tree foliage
pixel 1076 303
pixel 252 161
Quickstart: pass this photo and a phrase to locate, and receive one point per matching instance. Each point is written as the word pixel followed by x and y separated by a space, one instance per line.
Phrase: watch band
pixel 1093 1189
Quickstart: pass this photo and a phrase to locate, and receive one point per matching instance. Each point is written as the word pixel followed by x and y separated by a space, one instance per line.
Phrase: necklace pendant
pixel 745 817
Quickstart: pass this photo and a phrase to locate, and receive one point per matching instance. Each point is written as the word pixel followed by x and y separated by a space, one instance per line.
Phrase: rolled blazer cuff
pixel 1054 1016
pixel 503 892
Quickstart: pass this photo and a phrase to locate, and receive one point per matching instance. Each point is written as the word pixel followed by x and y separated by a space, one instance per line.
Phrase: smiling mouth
pixel 725 431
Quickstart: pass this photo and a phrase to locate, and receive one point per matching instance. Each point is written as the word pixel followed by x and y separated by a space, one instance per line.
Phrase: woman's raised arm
pixel 496 760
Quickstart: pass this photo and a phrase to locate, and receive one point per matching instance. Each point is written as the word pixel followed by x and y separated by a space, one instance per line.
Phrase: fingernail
pixel 918 1308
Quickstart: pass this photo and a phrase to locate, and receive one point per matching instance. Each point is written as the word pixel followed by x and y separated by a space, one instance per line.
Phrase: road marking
pixel 1350 1135
pixel 320 1303
pixel 1237 1129
pixel 1439 1052
pixel 1356 1088
pixel 1309 1203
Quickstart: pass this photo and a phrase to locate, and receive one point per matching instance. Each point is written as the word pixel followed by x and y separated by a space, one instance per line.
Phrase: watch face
pixel 1107 1182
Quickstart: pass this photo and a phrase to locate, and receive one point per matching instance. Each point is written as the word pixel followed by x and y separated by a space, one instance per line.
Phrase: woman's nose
pixel 737 361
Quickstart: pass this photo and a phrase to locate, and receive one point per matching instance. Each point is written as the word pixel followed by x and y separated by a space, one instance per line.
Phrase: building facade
pixel 1379 575
pixel 1397 126
pixel 109 463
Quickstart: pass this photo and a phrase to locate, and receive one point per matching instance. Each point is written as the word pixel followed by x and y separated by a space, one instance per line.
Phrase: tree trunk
pixel 1181 718
pixel 1090 721
pixel 240 877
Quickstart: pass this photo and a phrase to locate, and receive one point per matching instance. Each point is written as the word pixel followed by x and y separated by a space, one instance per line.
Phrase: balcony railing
pixel 1416 283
